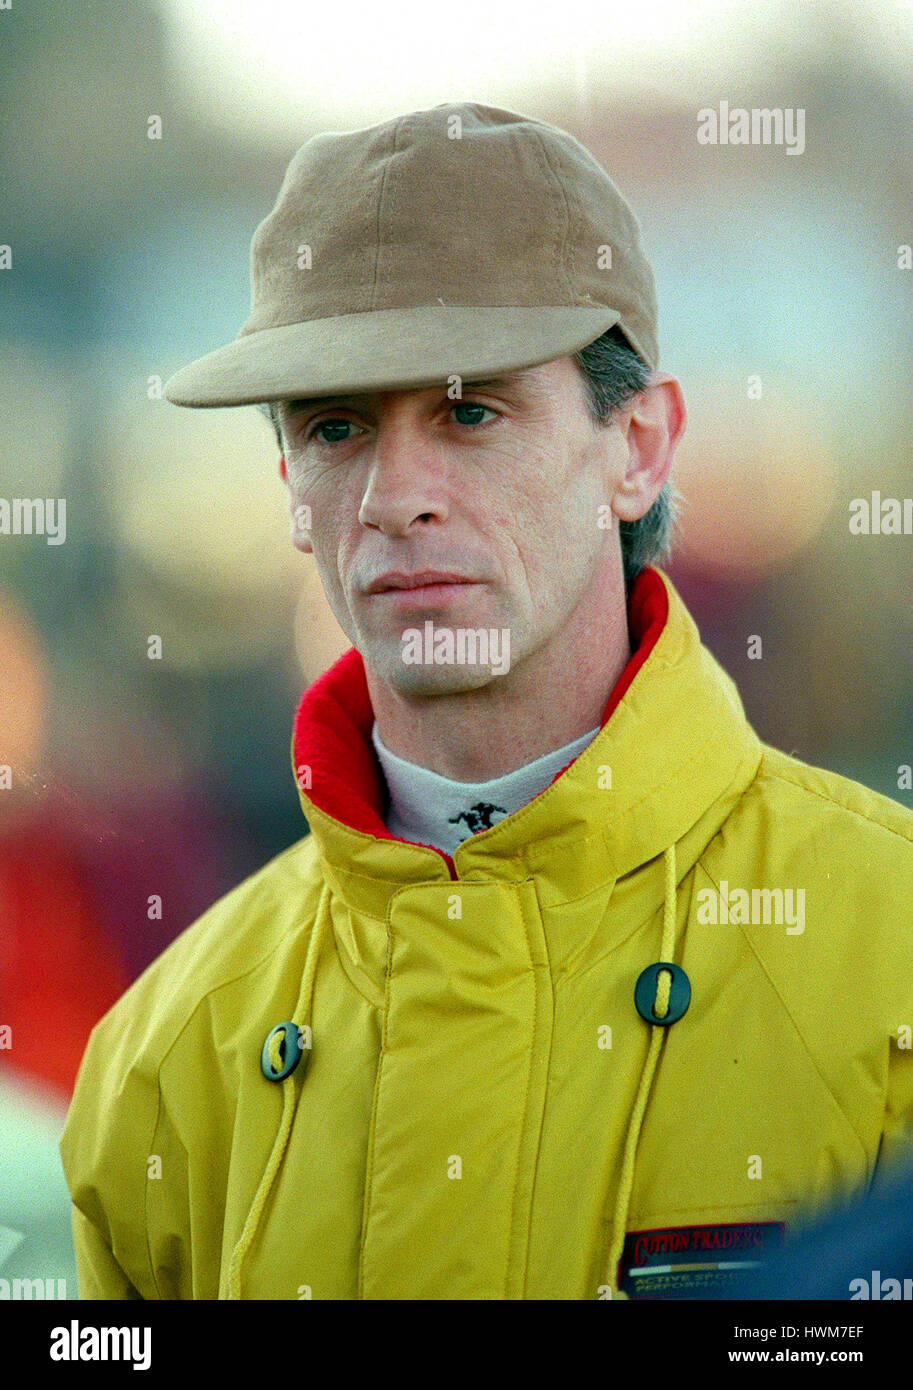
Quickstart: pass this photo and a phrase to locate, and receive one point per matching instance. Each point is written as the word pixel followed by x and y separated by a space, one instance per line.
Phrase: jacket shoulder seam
pixel 789 1014
pixel 224 984
pixel 231 978
pixel 780 774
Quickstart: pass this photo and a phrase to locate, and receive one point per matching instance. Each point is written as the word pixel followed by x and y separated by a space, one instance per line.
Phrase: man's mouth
pixel 432 581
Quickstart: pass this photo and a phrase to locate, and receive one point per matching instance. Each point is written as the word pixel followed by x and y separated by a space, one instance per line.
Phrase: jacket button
pixel 679 993
pixel 290 1051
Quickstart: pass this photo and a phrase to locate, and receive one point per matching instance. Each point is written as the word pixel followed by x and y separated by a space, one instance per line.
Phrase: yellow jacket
pixel 478 1109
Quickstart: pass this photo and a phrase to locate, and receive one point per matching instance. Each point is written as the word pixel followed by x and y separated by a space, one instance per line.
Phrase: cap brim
pixel 384 350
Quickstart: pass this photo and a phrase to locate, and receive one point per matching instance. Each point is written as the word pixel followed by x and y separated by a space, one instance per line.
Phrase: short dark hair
pixel 613 373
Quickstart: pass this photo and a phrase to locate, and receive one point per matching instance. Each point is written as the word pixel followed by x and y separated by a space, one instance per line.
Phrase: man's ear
pixel 283 471
pixel 654 424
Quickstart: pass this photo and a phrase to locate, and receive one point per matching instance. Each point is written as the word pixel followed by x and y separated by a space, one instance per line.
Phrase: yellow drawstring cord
pixel 658 1032
pixel 303 1013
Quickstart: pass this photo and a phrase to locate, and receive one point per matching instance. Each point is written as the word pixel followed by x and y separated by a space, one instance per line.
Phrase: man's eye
pixel 473 410
pixel 332 436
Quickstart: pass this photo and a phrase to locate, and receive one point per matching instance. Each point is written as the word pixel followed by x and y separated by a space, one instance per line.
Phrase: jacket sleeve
pixel 895 1155
pixel 100 1276
pixel 104 1147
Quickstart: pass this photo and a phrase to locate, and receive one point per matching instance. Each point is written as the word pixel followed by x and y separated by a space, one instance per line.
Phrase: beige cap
pixel 459 240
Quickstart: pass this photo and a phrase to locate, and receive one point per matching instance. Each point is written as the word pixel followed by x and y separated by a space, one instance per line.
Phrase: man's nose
pixel 406 478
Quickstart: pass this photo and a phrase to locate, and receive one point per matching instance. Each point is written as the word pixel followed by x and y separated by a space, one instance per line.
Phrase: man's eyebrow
pixel 314 402
pixel 488 383
pixel 500 382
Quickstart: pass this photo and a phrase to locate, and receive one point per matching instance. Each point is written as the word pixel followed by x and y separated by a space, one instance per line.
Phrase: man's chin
pixel 428 676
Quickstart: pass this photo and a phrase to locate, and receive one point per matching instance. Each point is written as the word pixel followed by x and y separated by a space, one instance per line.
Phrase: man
pixel 575 989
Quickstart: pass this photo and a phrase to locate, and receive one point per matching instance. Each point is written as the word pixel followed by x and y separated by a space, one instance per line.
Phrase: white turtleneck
pixel 432 810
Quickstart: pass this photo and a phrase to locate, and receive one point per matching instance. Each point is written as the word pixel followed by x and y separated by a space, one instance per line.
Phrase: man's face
pixel 509 486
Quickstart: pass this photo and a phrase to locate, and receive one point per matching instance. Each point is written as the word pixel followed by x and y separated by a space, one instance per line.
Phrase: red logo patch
pixel 691 1261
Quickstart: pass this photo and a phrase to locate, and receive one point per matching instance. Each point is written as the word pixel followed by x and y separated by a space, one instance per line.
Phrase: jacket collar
pixel 673 734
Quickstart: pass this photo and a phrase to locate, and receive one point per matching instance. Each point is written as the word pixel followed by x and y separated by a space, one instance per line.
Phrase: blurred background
pixel 785 311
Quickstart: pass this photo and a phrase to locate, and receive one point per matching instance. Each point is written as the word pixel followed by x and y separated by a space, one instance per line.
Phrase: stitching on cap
pixel 380 200
pixel 560 256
